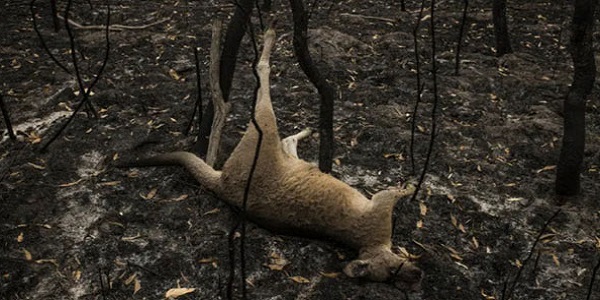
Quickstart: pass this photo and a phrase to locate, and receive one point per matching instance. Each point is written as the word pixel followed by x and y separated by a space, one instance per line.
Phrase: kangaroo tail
pixel 204 174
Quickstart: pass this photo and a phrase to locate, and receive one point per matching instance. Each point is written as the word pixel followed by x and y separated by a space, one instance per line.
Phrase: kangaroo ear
pixel 357 268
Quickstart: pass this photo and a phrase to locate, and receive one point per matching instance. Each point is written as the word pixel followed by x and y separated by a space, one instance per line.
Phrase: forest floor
pixel 74 227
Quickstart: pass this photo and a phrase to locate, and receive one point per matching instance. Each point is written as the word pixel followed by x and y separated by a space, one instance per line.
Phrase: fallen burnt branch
pixel 113 27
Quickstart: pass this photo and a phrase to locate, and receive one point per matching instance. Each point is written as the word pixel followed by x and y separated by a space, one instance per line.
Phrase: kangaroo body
pixel 290 195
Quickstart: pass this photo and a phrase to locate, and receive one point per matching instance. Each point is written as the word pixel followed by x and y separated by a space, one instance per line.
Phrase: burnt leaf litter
pixel 74 227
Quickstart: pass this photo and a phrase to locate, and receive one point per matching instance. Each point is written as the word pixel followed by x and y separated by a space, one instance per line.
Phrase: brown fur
pixel 288 194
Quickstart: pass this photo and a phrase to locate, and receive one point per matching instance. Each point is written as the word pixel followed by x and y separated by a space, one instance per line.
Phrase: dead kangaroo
pixel 292 196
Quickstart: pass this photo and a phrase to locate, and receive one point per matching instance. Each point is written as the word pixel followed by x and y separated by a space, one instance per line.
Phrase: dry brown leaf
pixel 420 224
pixel 110 183
pixel 152 193
pixel 76 275
pixel 137 285
pixel 555 259
pixel 27 254
pixel 475 243
pixel 47 261
pixel 174 74
pixel 546 168
pixel 518 263
pixel 456 256
pixel 423 208
pixel 299 279
pixel 545 238
pixel 486 296
pixel 20 238
pixel 453 220
pixel 130 279
pixel 71 183
pixel 208 260
pixel 174 293
pixel 212 211
pixel 451 198
pixel 598 242
pixel 181 198
pixel 337 162
pixel 115 156
pixel 131 238
pixel 38 167
pixel 330 275
pixel 461 227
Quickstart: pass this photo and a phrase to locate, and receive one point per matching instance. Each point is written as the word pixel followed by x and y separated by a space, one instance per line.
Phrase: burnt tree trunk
pixel 501 28
pixel 573 144
pixel 267 5
pixel 233 38
pixel 326 91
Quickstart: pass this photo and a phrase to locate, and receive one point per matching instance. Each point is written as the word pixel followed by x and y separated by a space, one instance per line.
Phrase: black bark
pixel 6 115
pixel 573 144
pixel 501 28
pixel 326 91
pixel 233 38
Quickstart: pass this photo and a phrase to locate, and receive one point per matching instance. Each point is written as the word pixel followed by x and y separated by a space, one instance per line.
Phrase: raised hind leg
pixel 270 151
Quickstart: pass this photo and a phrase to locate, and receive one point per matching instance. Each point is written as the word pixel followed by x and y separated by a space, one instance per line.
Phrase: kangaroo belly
pixel 298 199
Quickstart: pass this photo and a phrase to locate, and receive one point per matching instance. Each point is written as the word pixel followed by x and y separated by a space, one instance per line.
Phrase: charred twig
pixel 460 36
pixel 198 104
pixel 269 41
pixel 54 15
pixel 260 16
pixel 435 104
pixel 114 27
pixel 518 275
pixel 413 123
pixel 594 273
pixel 102 289
pixel 84 92
pixel 42 40
pixel 6 116
pixel 231 254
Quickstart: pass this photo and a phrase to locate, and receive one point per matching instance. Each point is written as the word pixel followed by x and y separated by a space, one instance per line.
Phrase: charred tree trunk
pixel 573 144
pixel 233 38
pixel 267 5
pixel 326 91
pixel 501 28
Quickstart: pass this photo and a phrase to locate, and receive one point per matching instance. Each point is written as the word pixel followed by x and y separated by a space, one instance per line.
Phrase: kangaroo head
pixel 381 264
pixel 376 261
